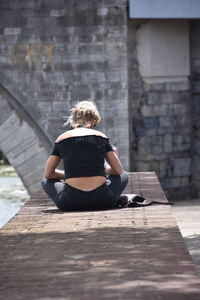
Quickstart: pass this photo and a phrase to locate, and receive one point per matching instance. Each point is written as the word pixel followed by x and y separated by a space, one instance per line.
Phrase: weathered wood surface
pixel 132 253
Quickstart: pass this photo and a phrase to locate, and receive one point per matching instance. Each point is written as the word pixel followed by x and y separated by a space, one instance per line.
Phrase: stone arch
pixel 23 137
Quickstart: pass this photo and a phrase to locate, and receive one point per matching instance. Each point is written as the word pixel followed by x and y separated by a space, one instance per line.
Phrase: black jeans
pixel 68 198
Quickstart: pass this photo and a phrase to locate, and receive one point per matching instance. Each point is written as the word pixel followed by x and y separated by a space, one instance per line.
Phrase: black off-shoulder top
pixel 83 156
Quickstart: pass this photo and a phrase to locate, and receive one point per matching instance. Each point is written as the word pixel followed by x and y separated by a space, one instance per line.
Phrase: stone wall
pixel 53 53
pixel 21 144
pixel 195 79
pixel 58 52
pixel 161 124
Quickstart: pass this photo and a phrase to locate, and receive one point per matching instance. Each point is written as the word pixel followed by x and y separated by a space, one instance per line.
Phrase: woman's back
pixel 84 151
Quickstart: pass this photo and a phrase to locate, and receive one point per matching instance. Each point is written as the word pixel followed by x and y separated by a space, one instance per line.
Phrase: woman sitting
pixel 87 182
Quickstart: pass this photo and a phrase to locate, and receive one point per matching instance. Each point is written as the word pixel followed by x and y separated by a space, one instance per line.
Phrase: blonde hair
pixel 83 113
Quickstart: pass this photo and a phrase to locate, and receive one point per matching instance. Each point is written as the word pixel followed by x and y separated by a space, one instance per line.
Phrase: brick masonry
pixel 58 52
pixel 53 53
pixel 164 124
pixel 195 75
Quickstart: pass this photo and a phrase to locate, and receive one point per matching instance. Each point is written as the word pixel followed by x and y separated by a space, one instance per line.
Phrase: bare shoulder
pixel 79 132
pixel 64 135
pixel 96 132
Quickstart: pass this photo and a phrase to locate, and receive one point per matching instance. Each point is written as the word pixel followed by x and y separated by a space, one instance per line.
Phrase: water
pixel 12 194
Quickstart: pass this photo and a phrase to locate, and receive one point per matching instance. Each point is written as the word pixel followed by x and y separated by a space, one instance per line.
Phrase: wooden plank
pixel 132 253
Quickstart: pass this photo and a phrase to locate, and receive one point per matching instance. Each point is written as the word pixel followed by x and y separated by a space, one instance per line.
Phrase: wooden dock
pixel 131 253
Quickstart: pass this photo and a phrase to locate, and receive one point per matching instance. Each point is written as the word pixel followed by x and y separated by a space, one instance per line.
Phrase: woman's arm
pixel 115 166
pixel 50 171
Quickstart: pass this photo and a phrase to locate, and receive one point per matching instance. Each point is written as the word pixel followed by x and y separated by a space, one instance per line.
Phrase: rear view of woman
pixel 86 183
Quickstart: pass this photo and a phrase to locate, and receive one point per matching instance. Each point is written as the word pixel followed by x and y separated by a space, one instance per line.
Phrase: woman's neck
pixel 87 126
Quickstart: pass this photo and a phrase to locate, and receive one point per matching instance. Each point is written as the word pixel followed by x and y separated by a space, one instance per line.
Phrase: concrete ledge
pixel 133 253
